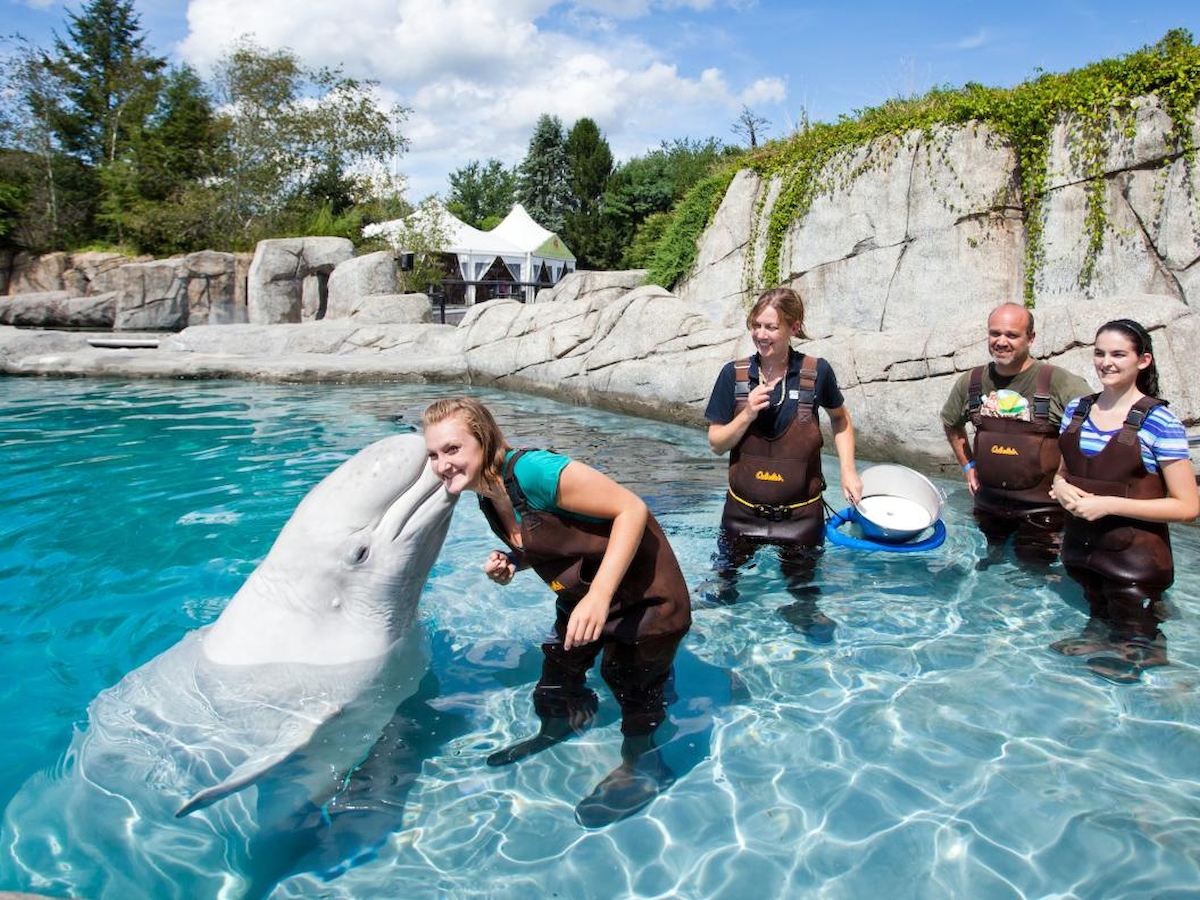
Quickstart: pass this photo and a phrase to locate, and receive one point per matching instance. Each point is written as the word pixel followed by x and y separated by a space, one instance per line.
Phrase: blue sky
pixel 478 73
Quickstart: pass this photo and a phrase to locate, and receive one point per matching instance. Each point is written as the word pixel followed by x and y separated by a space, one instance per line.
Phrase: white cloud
pixel 477 73
pixel 764 90
pixel 972 41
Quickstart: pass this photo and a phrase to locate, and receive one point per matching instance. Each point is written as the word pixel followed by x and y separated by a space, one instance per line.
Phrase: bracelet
pixel 969 466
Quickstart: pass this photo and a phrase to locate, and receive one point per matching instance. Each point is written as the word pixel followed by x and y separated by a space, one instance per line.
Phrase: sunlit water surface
pixel 936 748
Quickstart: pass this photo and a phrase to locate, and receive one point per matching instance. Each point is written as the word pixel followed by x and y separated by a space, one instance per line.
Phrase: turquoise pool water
pixel 935 748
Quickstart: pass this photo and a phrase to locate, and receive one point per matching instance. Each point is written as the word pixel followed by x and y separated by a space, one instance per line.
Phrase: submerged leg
pixel 996 527
pixel 733 552
pixel 1039 536
pixel 640 678
pixel 565 705
pixel 798 565
pixel 1127 616
pixel 630 787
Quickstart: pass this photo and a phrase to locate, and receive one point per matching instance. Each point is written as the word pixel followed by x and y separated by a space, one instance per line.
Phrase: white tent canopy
pixel 521 243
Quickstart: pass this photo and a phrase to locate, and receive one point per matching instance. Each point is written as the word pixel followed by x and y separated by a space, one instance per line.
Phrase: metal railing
pixel 452 292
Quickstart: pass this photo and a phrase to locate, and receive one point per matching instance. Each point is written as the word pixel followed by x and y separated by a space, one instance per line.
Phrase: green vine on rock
pixel 1090 105
pixel 676 250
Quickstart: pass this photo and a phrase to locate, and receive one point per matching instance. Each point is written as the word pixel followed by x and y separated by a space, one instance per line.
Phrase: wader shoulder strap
pixel 1135 417
pixel 516 496
pixel 975 394
pixel 1082 408
pixel 741 383
pixel 1041 393
pixel 808 380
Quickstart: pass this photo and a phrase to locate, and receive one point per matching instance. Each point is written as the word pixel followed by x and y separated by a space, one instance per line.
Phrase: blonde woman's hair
pixel 787 303
pixel 480 423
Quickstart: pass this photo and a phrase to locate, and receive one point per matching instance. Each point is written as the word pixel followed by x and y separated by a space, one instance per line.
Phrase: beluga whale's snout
pixel 342 580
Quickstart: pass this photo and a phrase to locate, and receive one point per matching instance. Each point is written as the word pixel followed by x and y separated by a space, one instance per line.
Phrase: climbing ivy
pixel 1097 102
pixel 676 250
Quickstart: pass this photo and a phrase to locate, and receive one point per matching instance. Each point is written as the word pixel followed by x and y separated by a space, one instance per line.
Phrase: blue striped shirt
pixel 1162 436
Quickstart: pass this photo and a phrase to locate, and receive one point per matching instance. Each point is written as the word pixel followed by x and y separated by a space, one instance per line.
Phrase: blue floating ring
pixel 835 536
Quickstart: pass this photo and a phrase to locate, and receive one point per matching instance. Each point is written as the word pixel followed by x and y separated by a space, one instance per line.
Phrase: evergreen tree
pixel 109 89
pixel 181 139
pixel 175 210
pixel 110 82
pixel 590 161
pixel 482 195
pixel 543 178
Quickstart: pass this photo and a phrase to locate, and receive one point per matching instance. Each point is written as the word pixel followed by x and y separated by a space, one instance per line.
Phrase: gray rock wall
pixel 286 279
pixel 914 230
pixel 79 274
pixel 646 352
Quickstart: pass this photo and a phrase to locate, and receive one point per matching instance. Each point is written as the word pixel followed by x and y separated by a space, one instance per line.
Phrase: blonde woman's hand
pixel 500 567
pixel 587 621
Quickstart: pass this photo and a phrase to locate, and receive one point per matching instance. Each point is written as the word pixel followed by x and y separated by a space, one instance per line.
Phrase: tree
pixel 110 82
pixel 646 185
pixel 342 130
pixel 482 195
pixel 109 88
pixel 293 138
pixel 181 140
pixel 590 162
pixel 749 124
pixel 50 195
pixel 543 177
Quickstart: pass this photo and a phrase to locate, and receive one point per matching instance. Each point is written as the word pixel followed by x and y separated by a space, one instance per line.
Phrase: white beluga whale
pixel 199 771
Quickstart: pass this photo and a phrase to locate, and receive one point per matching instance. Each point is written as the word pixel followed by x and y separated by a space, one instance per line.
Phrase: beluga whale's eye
pixel 357 554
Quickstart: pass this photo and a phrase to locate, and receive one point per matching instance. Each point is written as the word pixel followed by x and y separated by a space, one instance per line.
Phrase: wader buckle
pixel 772 513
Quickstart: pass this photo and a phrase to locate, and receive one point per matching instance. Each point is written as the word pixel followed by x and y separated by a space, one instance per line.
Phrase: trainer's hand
pixel 587 621
pixel 499 567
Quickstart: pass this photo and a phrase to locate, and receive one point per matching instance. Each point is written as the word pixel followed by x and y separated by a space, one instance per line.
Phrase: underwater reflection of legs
pixel 798 565
pixel 1096 635
pixel 1133 658
pixel 640 676
pixel 562 701
pixel 1124 622
pixel 370 805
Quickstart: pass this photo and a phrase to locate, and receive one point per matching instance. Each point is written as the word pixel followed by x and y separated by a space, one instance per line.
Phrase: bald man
pixel 1014 405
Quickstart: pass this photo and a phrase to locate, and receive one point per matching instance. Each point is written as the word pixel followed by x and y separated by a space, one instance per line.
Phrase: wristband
pixel 969 466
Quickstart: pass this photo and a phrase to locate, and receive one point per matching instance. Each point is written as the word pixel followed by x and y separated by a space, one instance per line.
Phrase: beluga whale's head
pixel 342 580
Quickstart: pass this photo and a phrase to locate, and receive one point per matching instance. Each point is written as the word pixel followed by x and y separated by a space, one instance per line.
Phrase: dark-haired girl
pixel 1125 474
